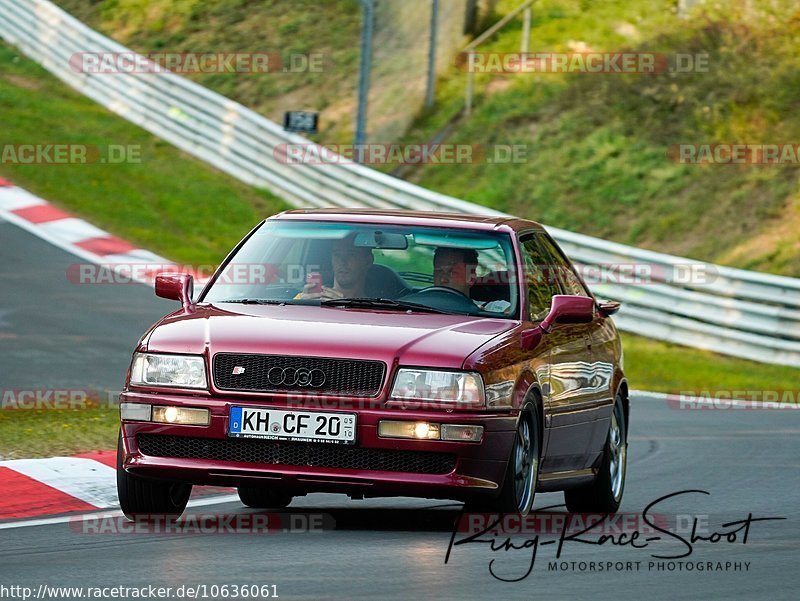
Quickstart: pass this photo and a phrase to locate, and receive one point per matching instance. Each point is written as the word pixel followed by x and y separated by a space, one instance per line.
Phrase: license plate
pixel 307 426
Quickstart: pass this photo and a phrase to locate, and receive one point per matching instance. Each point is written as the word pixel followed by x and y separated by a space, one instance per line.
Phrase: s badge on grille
pixel 237 370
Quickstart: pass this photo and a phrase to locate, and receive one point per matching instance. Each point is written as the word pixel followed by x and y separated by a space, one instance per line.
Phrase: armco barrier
pixel 735 312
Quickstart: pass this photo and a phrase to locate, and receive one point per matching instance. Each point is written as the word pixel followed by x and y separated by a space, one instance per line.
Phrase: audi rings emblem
pixel 290 376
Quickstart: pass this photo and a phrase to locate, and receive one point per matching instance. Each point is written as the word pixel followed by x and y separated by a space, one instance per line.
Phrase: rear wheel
pixel 145 498
pixel 263 498
pixel 604 495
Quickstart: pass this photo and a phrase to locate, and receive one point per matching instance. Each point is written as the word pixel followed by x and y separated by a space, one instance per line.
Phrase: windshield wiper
pixel 254 301
pixel 379 303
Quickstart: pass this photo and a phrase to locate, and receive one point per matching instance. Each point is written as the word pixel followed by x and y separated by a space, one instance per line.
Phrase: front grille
pixel 317 375
pixel 295 453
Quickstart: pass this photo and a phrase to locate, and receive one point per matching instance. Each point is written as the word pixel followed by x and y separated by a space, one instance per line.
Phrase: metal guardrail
pixel 734 312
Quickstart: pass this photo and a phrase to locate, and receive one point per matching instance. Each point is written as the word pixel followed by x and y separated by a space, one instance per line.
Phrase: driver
pixel 350 266
pixel 456 268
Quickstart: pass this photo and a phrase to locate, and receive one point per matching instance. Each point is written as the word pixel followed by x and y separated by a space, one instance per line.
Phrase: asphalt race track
pixel 57 334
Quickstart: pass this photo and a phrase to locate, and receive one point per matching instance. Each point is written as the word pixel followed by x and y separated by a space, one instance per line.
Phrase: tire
pixel 522 471
pixel 263 498
pixel 604 495
pixel 144 498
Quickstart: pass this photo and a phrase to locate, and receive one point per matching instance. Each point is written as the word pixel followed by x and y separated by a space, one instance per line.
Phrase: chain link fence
pixel 400 49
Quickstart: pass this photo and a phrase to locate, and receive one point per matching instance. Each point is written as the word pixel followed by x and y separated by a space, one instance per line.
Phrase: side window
pixel 539 278
pixel 563 270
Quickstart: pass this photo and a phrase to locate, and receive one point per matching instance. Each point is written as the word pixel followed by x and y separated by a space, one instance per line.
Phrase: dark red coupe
pixel 377 353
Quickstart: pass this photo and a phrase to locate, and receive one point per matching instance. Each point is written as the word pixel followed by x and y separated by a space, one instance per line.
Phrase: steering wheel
pixel 443 289
pixel 442 297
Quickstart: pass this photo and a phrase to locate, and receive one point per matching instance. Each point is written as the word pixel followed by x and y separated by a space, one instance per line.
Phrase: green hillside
pixel 329 30
pixel 597 143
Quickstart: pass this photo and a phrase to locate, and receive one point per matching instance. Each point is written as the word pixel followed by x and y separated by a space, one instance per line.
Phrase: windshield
pixel 343 265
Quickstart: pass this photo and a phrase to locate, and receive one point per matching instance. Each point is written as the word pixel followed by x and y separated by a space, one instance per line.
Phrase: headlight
pixel 459 388
pixel 179 371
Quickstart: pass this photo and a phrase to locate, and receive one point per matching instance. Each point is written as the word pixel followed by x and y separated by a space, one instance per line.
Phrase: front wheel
pixel 604 495
pixel 522 471
pixel 145 498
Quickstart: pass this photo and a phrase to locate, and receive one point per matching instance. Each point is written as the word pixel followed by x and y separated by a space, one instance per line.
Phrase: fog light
pixel 462 433
pixel 185 416
pixel 138 412
pixel 426 430
pixel 419 430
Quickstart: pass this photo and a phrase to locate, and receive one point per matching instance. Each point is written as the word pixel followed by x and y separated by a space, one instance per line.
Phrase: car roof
pixel 419 218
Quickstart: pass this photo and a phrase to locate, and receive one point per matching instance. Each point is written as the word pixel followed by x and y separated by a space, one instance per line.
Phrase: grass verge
pixel 663 367
pixel 49 432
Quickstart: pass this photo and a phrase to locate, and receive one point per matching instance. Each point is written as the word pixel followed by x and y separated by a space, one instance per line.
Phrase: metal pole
pixel 470 48
pixel 431 90
pixel 497 26
pixel 363 75
pixel 526 31
pixel 470 84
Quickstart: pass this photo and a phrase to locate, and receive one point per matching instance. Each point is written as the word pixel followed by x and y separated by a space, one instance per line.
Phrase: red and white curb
pixel 34 488
pixel 76 236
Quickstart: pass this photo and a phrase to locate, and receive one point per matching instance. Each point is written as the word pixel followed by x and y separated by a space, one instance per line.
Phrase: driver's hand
pixel 327 293
pixel 307 294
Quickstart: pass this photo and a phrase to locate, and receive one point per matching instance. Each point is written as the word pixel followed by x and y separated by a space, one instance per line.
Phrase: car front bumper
pixel 374 466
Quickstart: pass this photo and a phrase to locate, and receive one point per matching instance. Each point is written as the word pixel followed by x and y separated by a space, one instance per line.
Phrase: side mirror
pixel 563 309
pixel 608 307
pixel 176 286
pixel 569 309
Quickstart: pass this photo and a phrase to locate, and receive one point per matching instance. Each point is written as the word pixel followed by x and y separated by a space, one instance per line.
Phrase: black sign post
pixel 304 122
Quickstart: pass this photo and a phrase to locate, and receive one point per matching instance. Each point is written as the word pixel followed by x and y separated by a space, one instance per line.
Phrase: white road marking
pixel 13 198
pixel 71 230
pixel 62 519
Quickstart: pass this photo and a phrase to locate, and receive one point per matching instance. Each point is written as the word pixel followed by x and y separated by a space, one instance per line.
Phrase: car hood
pixel 421 339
